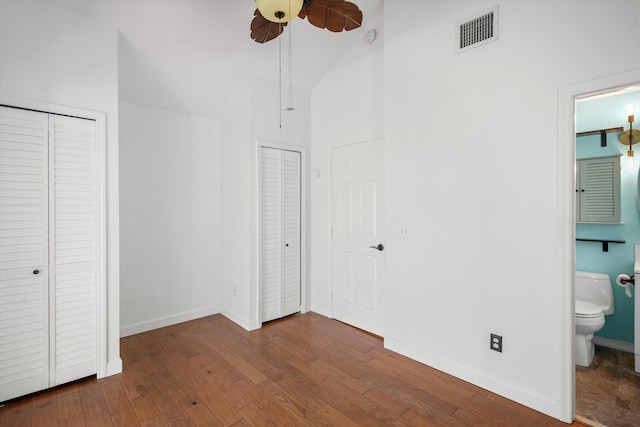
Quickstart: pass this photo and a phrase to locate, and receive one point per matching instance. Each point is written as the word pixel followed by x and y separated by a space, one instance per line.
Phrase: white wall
pixel 348 107
pixel 472 164
pixel 357 117
pixel 473 167
pixel 252 116
pixel 54 57
pixel 170 218
pixel 236 203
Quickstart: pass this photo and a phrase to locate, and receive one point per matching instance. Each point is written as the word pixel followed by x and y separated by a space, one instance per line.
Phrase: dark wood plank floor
pixel 304 370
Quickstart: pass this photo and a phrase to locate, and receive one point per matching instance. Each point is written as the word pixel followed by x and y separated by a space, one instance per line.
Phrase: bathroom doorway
pixel 608 391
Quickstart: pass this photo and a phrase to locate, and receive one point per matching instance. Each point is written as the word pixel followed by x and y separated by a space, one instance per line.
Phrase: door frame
pixel 566 149
pixel 101 214
pixel 304 304
pixel 379 139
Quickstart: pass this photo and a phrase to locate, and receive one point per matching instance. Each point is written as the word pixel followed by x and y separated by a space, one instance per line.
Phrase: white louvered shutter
pixel 24 298
pixel 279 232
pixel 73 242
pixel 599 189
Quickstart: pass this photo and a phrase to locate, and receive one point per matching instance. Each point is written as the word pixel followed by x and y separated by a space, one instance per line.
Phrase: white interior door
pixel 24 285
pixel 356 263
pixel 280 232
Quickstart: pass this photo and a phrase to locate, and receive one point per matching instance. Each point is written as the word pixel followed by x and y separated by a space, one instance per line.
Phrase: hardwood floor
pixel 305 370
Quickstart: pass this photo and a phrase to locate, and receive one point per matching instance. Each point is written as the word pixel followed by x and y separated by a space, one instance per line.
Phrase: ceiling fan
pixel 272 16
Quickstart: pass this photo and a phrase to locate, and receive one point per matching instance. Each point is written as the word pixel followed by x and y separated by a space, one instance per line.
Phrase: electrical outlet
pixel 496 343
pixel 405 233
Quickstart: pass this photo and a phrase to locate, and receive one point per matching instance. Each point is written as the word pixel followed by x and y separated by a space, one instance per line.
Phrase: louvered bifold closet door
pixel 271 233
pixel 279 233
pixel 73 243
pixel 24 288
pixel 291 231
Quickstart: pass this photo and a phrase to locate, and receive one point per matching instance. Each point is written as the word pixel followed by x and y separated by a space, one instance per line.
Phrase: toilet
pixel 594 300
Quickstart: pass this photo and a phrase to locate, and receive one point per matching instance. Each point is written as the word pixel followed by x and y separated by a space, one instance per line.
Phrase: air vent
pixel 476 31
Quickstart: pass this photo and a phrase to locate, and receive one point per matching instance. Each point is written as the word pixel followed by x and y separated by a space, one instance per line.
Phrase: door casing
pixel 566 153
pixel 102 344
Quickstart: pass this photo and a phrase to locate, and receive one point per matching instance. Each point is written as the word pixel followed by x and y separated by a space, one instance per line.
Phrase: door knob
pixel 36 271
pixel 380 247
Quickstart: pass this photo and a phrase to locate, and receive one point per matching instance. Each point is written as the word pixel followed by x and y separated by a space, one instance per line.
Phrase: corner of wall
pixel 240 321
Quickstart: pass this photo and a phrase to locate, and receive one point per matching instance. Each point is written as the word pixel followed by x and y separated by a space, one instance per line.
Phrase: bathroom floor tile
pixel 608 391
pixel 626 419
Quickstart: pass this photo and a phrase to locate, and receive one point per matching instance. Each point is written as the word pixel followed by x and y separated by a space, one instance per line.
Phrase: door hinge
pixel 331 296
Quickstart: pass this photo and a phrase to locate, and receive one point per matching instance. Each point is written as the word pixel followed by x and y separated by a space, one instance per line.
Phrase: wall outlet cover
pixel 405 232
pixel 496 343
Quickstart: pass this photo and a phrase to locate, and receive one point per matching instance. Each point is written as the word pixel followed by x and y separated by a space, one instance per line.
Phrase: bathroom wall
pixel 603 113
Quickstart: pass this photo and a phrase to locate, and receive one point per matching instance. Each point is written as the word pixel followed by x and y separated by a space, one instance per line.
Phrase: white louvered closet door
pixel 72 219
pixel 47 251
pixel 24 286
pixel 280 250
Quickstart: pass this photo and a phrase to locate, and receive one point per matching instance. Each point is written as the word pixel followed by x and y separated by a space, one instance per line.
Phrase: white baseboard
pixel 161 322
pixel 240 321
pixel 322 310
pixel 114 367
pixel 534 401
pixel 615 344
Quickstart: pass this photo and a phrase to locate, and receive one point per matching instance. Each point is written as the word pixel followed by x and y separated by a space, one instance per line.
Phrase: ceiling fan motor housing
pixel 333 15
pixel 279 10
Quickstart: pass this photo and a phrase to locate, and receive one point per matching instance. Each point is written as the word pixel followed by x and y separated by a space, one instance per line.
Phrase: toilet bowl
pixel 594 300
pixel 589 320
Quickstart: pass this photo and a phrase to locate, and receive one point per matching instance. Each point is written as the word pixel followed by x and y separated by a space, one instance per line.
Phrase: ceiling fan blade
pixel 263 30
pixel 334 15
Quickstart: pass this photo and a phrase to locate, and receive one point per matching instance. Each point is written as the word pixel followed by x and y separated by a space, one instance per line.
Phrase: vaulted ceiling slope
pixel 188 55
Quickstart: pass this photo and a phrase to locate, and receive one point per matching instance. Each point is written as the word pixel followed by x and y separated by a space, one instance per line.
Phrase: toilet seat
pixel 587 310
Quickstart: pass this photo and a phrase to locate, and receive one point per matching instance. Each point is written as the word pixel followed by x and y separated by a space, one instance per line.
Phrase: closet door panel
pixel 73 248
pixel 24 299
pixel 291 231
pixel 271 233
pixel 280 219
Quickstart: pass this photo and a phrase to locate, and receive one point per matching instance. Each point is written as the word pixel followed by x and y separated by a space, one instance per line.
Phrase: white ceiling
pixel 188 55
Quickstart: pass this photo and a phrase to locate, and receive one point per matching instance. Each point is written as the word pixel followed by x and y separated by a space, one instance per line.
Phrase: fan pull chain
pixel 290 100
pixel 280 73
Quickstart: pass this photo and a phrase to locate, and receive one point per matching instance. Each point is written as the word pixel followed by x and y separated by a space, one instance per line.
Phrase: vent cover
pixel 476 31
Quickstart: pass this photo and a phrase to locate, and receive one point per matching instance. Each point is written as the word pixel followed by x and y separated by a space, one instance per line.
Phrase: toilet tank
pixel 596 289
